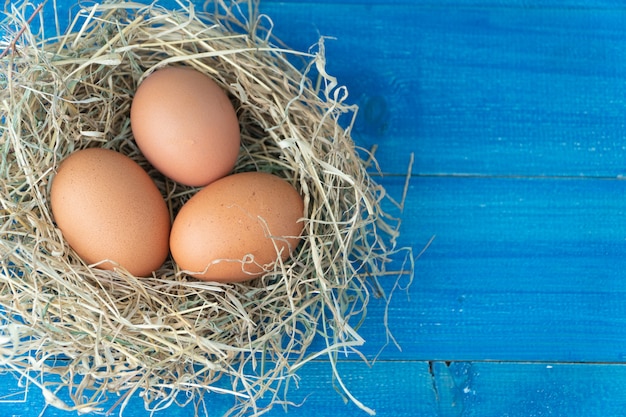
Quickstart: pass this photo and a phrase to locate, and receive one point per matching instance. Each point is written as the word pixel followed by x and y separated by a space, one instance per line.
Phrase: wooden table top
pixel 515 112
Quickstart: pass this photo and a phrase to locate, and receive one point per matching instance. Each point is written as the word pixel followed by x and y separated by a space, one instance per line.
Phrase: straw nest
pixel 81 334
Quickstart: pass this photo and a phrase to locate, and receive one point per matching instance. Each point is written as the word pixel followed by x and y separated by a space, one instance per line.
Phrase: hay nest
pixel 101 332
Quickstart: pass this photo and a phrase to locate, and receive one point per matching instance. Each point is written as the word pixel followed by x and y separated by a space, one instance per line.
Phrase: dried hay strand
pixel 170 336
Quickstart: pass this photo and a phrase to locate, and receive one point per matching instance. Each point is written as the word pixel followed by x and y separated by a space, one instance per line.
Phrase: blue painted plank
pixel 392 389
pixel 429 389
pixel 525 389
pixel 517 234
pixel 490 90
pixel 520 269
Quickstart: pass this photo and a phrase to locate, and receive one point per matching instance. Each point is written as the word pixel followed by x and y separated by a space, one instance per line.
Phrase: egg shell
pixel 232 229
pixel 185 125
pixel 109 209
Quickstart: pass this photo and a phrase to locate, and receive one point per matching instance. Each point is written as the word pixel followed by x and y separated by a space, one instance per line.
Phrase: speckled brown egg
pixel 237 227
pixel 185 125
pixel 110 211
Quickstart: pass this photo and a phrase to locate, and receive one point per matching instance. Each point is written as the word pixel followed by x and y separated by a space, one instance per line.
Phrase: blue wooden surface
pixel 515 111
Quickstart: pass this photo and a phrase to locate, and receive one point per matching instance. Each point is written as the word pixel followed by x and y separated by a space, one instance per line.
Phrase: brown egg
pixel 232 229
pixel 110 211
pixel 185 125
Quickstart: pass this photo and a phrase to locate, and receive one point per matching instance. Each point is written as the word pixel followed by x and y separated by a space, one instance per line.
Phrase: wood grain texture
pixel 431 389
pixel 515 112
pixel 480 90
